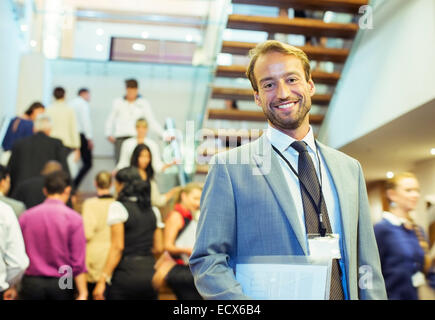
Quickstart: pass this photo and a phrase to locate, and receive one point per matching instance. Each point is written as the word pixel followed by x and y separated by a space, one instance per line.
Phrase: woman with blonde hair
pixel 97 231
pixel 179 234
pixel 402 244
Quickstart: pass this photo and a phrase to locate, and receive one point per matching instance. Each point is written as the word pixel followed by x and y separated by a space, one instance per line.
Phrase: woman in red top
pixel 173 266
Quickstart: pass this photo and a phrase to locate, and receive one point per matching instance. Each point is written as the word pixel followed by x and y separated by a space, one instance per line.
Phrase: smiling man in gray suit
pixel 256 199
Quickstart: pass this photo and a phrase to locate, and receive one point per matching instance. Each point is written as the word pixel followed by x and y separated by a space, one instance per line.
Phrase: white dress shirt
pixel 119 214
pixel 13 257
pixel 282 142
pixel 127 149
pixel 122 119
pixel 84 123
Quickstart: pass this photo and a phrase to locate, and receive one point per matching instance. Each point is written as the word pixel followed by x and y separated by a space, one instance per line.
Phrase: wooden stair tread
pixel 238 71
pixel 232 133
pixel 248 95
pixel 308 27
pixel 345 6
pixel 248 115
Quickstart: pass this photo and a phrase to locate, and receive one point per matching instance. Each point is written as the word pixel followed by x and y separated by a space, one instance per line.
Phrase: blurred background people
pixel 13 258
pixel 54 238
pixel 403 247
pixel 133 223
pixel 64 123
pixel 128 146
pixel 97 232
pixel 30 191
pixel 30 154
pixel 84 124
pixel 173 267
pixel 20 127
pixel 142 159
pixel 5 184
pixel 125 111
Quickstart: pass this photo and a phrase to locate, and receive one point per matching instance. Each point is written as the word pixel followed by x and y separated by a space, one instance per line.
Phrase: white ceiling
pixel 397 146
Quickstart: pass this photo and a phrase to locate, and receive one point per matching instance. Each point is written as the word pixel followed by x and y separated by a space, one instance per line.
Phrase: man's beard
pixel 288 123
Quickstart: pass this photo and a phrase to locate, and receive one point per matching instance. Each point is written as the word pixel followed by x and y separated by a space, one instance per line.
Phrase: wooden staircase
pixel 309 27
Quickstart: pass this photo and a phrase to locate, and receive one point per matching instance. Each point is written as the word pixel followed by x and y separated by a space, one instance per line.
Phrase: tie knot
pixel 299 146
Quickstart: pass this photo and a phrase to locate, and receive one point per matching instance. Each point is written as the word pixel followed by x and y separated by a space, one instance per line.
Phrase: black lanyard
pixel 317 206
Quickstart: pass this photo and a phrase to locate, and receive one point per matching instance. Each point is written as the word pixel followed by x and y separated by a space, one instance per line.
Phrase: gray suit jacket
pixel 247 210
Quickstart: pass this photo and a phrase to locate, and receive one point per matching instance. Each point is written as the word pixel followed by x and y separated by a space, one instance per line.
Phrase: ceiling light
pixel 189 37
pixel 145 34
pixel 99 47
pixel 138 47
pixel 432 151
pixel 390 174
pixel 99 32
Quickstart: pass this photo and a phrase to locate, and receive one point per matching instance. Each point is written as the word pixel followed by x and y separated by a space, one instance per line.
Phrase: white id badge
pixel 324 247
pixel 418 279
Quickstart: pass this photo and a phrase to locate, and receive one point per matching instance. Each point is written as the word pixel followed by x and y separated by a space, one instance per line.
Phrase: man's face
pixel 141 131
pixel 5 185
pixel 86 95
pixel 131 94
pixel 283 92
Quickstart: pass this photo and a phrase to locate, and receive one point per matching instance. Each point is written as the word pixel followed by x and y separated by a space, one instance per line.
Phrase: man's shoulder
pixel 339 155
pixel 15 204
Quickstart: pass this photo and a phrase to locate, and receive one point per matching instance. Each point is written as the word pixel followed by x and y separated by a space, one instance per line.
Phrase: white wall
pixel 390 71
pixel 11 48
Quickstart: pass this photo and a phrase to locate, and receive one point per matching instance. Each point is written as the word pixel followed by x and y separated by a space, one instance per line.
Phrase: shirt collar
pixel 393 219
pixel 281 141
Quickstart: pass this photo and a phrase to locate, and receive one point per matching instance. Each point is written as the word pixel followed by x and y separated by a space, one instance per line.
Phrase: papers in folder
pixel 284 281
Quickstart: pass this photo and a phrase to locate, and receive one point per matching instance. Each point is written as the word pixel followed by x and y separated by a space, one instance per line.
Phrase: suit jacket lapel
pixel 346 207
pixel 268 165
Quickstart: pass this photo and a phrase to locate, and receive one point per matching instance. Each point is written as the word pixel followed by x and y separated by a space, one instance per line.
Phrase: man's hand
pixel 90 144
pixel 111 139
pixel 10 294
pixel 76 155
pixel 98 292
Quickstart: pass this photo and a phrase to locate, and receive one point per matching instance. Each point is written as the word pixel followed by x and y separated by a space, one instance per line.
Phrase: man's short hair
pixel 275 46
pixel 141 122
pixel 82 90
pixel 33 107
pixel 4 172
pixel 42 122
pixel 56 182
pixel 131 83
pixel 59 93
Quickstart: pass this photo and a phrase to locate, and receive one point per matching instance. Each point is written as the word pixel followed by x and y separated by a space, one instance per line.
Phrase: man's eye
pixel 268 85
pixel 291 80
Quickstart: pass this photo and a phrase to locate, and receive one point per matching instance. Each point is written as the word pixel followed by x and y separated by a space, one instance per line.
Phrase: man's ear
pixel 257 98
pixel 44 191
pixel 312 87
pixel 67 191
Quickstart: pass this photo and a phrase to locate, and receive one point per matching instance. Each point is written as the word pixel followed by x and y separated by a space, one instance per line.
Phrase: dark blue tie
pixel 312 198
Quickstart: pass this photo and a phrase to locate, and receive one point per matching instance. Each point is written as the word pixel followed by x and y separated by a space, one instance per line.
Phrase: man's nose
pixel 283 90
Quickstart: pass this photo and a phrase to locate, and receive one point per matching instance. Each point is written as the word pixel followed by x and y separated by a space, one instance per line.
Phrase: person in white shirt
pixel 128 146
pixel 64 123
pixel 125 112
pixel 81 106
pixel 13 257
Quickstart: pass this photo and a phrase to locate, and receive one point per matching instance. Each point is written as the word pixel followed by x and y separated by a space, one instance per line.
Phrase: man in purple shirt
pixel 55 244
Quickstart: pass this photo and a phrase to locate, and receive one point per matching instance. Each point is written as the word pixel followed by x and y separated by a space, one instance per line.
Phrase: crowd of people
pixel 121 247
pixel 108 249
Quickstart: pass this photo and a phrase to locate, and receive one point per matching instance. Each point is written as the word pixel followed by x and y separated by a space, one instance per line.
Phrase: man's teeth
pixel 288 105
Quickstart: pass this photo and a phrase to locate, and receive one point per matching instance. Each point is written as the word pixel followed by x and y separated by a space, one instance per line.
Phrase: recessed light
pixel 432 151
pixel 145 34
pixel 390 174
pixel 99 32
pixel 138 47
pixel 189 37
